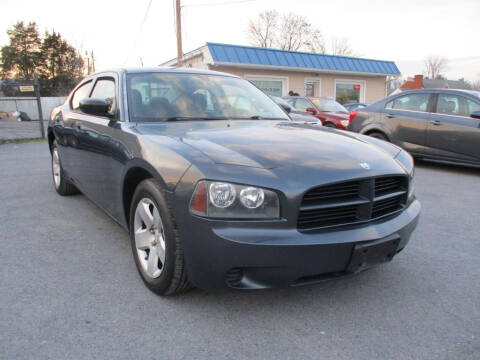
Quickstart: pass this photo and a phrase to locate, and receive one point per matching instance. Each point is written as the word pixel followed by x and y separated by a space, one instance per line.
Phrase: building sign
pixel 271 87
pixel 26 88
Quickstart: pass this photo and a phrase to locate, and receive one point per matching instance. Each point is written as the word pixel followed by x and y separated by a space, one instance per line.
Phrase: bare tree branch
pixel 262 30
pixel 435 66
pixel 341 47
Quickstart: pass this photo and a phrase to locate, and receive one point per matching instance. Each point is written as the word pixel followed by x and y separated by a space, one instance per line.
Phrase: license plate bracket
pixel 372 253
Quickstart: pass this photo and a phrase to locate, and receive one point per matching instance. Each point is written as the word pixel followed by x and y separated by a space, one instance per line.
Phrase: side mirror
pixel 311 110
pixel 97 107
pixel 287 108
pixel 475 115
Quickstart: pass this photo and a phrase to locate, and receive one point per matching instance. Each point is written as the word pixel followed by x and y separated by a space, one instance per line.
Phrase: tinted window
pixel 412 102
pixel 105 89
pixel 81 93
pixel 303 104
pixel 472 106
pixel 456 105
pixel 449 104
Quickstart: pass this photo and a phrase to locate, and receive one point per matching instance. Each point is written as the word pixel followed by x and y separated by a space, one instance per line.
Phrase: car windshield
pixel 328 105
pixel 172 96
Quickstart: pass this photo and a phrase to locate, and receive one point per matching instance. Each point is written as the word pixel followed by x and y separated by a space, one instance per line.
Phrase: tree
pixel 58 63
pixel 22 55
pixel 262 30
pixel 341 47
pixel 475 85
pixel 291 32
pixel 295 32
pixel 61 66
pixel 435 66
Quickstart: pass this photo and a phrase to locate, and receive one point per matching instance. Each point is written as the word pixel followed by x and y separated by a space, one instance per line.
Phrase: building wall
pixel 196 62
pixel 374 87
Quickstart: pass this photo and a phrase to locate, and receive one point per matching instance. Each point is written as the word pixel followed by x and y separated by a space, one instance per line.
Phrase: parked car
pixel 354 106
pixel 295 114
pixel 438 124
pixel 328 111
pixel 218 187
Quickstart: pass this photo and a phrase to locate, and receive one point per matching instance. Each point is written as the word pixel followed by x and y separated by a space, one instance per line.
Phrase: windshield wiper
pixel 181 118
pixel 258 117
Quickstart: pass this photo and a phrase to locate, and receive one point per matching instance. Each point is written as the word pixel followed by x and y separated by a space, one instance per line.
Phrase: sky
pixel 405 31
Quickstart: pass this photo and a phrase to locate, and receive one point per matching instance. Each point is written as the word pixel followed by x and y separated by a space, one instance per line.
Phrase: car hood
pixel 270 144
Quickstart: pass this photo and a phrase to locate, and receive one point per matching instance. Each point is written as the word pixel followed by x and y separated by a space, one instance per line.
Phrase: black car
pixel 217 186
pixel 438 124
pixel 294 113
pixel 354 106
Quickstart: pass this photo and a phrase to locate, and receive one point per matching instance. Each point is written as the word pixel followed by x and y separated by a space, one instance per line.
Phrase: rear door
pixel 452 133
pixel 406 117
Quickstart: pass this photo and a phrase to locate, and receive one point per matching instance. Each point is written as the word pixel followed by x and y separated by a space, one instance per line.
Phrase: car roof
pixel 453 91
pixel 158 69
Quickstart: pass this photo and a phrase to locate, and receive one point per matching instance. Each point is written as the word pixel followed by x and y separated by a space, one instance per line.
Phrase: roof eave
pixel 291 68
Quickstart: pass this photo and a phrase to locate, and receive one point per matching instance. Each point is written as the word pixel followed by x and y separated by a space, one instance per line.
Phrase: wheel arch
pixel 375 129
pixel 50 138
pixel 138 171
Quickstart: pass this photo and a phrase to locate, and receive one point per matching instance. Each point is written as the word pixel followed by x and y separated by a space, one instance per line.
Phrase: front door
pixel 452 133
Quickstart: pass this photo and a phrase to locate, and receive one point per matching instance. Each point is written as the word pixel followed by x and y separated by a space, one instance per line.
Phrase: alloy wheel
pixel 57 175
pixel 149 238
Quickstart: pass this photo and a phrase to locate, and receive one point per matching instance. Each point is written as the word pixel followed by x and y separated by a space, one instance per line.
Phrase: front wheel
pixel 156 245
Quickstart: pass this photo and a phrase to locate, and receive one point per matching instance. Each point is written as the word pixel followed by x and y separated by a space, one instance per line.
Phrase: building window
pixel 349 92
pixel 312 87
pixel 275 86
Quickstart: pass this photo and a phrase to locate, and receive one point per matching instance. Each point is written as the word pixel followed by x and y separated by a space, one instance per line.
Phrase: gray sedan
pixel 440 124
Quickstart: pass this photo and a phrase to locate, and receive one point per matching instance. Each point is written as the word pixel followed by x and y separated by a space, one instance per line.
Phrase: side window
pixel 389 105
pixel 105 89
pixel 472 106
pixel 412 102
pixel 303 104
pixel 450 105
pixel 81 93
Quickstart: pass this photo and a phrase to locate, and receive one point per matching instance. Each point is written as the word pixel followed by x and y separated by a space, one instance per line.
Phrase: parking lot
pixel 69 288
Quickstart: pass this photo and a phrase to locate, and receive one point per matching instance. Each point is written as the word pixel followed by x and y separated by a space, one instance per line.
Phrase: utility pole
pixel 93 61
pixel 179 33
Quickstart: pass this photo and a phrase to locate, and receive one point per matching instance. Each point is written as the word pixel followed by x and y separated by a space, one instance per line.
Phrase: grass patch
pixel 21 141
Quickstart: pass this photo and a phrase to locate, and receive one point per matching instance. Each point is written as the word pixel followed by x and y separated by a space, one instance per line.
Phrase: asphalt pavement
pixel 69 288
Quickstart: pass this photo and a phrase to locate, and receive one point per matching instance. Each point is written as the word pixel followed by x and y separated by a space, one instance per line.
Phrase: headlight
pixel 232 201
pixel 406 161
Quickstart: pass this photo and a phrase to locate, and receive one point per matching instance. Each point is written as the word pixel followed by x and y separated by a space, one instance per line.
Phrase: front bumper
pixel 226 253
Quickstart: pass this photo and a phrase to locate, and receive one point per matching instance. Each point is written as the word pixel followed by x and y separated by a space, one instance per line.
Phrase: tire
pixel 378 135
pixel 156 245
pixel 62 185
pixel 330 125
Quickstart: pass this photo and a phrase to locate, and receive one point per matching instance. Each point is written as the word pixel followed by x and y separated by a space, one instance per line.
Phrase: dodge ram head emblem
pixel 365 165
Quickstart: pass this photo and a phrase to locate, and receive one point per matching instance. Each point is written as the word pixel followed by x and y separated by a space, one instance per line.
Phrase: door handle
pixel 435 122
pixel 390 116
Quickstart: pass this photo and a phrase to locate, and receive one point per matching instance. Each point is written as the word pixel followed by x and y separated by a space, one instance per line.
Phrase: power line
pixel 219 3
pixel 139 32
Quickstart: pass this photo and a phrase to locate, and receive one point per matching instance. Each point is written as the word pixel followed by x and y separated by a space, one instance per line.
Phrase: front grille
pixel 352 202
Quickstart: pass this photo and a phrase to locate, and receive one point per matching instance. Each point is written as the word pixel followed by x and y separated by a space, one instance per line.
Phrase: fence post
pixel 39 103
